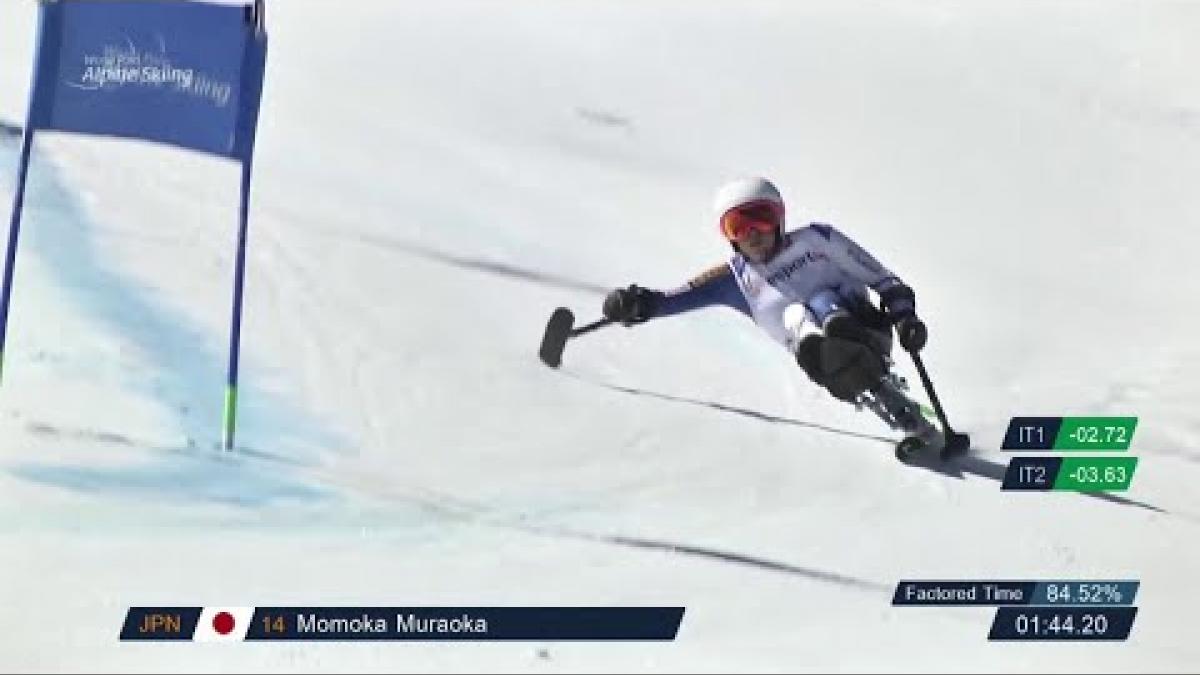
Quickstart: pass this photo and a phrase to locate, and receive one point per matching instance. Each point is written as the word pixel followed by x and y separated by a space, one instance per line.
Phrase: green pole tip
pixel 230 416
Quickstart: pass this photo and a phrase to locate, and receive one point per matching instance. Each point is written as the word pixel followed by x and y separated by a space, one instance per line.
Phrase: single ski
pixel 924 439
pixel 916 448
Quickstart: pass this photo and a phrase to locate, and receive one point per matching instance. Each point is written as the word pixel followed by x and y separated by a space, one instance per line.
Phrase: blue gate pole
pixel 14 232
pixel 235 331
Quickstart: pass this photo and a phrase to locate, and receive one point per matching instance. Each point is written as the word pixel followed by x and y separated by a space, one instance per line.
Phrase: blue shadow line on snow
pixel 187 372
pixel 730 409
pixel 502 269
pixel 754 561
pixel 646 543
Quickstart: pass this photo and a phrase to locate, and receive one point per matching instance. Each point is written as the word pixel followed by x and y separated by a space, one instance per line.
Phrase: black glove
pixel 630 305
pixel 912 333
pixel 898 302
pixel 900 305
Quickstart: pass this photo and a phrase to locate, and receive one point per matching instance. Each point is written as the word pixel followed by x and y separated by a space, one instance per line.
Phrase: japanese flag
pixel 223 624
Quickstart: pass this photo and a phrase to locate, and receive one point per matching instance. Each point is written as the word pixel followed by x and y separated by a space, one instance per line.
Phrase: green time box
pixel 1070 433
pixel 1078 474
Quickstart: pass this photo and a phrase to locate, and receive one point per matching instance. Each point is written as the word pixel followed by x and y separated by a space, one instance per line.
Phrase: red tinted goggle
pixel 761 216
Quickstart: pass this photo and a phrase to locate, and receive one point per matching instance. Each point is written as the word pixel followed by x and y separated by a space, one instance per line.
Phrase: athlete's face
pixel 758 245
pixel 754 228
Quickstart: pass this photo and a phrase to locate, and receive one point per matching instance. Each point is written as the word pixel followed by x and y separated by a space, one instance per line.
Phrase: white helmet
pixel 744 191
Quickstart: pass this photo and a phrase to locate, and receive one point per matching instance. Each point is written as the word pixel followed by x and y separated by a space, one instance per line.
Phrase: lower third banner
pixel 403 623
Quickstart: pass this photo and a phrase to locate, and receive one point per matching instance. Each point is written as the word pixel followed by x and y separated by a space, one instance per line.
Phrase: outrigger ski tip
pixel 554 340
pixel 559 329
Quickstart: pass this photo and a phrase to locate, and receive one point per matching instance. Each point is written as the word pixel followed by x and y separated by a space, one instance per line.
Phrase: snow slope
pixel 432 180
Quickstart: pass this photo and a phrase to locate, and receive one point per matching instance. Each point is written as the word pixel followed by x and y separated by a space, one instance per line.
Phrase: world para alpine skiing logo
pixel 117 66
